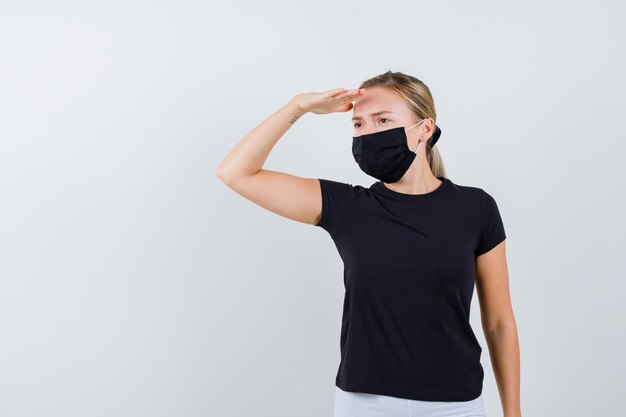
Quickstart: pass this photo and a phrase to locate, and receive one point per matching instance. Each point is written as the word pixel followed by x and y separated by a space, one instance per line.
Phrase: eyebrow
pixel 373 114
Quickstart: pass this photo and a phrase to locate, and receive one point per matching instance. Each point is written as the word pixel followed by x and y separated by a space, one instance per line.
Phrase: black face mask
pixel 386 155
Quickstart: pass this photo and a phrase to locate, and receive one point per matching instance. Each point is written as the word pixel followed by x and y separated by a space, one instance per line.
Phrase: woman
pixel 413 244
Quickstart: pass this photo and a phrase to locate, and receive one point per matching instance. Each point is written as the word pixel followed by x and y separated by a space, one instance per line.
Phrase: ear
pixel 429 128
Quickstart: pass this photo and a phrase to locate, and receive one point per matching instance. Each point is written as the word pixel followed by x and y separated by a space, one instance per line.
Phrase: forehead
pixel 377 101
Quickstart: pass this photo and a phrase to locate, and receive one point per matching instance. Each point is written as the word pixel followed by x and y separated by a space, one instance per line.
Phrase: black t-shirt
pixel 409 274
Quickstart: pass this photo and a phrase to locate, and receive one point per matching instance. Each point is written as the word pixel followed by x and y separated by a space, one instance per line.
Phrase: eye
pixel 357 124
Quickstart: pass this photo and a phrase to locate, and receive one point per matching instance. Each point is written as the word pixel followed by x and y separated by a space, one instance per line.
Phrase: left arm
pixel 499 327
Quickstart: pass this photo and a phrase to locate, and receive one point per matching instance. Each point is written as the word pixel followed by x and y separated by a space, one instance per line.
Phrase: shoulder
pixel 470 192
pixel 328 183
pixel 483 202
pixel 340 191
pixel 337 198
pixel 476 198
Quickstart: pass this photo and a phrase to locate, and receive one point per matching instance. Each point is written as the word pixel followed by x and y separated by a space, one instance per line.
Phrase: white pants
pixel 359 404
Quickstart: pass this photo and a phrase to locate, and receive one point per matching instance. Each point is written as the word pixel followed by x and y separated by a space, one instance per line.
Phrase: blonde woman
pixel 413 244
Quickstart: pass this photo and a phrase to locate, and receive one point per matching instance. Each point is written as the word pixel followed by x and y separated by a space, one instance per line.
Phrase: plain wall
pixel 133 282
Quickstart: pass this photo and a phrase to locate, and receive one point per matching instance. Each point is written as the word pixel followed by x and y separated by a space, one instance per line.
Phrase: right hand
pixel 337 100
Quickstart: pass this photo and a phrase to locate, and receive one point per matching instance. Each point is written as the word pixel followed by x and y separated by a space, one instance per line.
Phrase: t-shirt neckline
pixel 387 191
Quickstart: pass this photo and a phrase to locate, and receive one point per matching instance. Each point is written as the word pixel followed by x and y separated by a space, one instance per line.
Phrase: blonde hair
pixel 419 99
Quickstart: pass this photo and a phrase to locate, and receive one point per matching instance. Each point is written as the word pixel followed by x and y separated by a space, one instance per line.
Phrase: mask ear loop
pixel 419 142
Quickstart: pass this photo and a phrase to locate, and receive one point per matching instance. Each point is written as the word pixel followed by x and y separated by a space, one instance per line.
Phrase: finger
pixel 343 107
pixel 350 94
pixel 335 92
pixel 349 98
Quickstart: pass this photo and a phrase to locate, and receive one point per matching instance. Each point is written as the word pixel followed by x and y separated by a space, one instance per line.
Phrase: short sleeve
pixel 491 225
pixel 336 199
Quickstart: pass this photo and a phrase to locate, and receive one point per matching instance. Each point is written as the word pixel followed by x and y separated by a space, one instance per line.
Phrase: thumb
pixel 346 107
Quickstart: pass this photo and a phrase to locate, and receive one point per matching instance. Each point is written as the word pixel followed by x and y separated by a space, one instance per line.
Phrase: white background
pixel 133 282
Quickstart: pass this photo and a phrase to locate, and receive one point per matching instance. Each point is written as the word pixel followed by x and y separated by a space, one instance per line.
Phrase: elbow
pixel 498 326
pixel 221 173
pixel 227 178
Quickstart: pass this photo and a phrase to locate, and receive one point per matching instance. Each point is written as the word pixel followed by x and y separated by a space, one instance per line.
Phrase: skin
pixel 299 199
pixel 419 179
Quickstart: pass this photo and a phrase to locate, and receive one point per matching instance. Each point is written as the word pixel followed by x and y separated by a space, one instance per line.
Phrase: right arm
pixel 285 194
